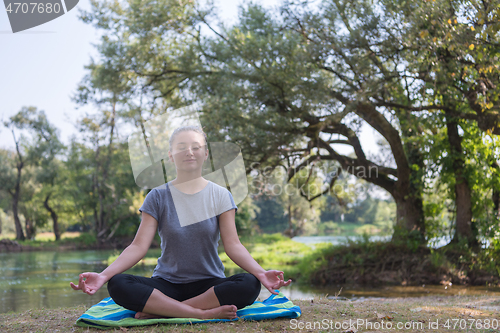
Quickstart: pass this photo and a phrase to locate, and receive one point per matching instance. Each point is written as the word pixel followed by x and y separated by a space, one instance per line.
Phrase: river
pixel 31 280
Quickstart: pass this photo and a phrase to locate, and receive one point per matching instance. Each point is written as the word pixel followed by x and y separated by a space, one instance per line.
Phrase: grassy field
pixel 46 241
pixel 424 314
pixel 45 236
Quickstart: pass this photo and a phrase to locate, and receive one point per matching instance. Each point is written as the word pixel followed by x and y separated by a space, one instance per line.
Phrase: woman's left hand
pixel 273 279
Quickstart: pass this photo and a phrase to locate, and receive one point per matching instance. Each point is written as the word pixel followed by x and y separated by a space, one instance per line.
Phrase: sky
pixel 43 66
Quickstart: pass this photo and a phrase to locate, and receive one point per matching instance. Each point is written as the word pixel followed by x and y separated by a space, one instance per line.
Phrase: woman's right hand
pixel 89 283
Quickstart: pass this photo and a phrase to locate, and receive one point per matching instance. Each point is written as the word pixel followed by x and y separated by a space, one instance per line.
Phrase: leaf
pixel 424 33
pixel 384 316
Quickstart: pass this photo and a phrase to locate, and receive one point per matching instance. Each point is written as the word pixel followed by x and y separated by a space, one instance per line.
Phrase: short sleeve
pixel 226 202
pixel 151 204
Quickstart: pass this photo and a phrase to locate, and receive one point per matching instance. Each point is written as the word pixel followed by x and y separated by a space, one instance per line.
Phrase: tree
pixel 451 50
pixel 296 88
pixel 42 153
pixel 11 173
pixel 100 180
pixel 262 87
pixel 293 86
pixel 12 179
pixel 40 150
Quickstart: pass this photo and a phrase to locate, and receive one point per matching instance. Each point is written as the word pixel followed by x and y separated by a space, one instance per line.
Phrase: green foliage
pixel 87 239
pixel 438 259
pixel 273 251
pixel 245 217
pixel 315 260
pixel 329 228
pixel 271 215
pixel 410 239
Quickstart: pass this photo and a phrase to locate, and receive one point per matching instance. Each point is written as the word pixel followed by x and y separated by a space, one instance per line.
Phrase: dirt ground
pixel 421 314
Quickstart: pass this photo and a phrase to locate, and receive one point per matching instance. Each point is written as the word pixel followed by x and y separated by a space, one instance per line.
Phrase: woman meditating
pixel 189 213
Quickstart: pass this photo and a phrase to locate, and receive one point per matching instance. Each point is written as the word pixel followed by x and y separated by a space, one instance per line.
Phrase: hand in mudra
pixel 273 279
pixel 89 283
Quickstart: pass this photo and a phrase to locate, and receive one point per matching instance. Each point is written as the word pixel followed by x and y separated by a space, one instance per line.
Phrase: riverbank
pixel 432 313
pixel 386 263
pixel 69 241
pixel 362 262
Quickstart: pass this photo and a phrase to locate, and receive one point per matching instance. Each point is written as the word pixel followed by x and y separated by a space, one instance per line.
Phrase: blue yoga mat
pixel 108 314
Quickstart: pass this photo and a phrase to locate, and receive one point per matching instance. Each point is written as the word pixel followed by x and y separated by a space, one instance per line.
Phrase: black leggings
pixel 132 292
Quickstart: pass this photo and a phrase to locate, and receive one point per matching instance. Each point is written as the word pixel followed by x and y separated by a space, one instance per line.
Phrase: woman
pixel 189 213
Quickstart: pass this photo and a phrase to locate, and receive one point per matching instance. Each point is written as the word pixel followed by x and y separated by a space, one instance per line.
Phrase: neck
pixel 189 179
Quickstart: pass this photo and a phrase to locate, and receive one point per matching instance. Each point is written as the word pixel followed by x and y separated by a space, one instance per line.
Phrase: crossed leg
pixel 203 306
pixel 154 297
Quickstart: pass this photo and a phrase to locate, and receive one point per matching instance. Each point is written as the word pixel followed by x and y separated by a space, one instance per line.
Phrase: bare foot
pixel 221 312
pixel 144 315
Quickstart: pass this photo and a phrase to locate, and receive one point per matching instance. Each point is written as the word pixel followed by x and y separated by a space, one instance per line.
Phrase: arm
pixel 91 282
pixel 271 279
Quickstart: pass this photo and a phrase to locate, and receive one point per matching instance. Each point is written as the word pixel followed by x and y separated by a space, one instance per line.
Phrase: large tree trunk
pixel 17 193
pixel 408 194
pixel 54 217
pixel 463 226
pixel 17 221
pixel 409 216
pixel 407 190
pixel 15 204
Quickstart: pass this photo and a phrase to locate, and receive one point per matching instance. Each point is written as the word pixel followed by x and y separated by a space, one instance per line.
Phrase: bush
pixel 86 239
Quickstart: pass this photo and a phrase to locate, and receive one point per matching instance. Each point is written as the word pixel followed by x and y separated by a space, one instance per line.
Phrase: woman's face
pixel 188 151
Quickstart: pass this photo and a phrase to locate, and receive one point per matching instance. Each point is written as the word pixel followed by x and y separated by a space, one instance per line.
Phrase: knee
pixel 116 286
pixel 254 285
pixel 242 290
pixel 251 288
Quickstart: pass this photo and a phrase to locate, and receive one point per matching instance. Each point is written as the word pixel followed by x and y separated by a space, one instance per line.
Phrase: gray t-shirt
pixel 188 249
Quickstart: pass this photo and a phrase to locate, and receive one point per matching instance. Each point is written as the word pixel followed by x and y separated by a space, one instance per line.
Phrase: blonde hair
pixel 193 128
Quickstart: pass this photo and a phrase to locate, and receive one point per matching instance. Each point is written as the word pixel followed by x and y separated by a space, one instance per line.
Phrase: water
pixel 339 240
pixel 335 240
pixel 360 293
pixel 31 280
pixel 434 243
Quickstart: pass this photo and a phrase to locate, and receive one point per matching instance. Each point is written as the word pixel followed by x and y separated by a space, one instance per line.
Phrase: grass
pixel 363 262
pixel 271 251
pixel 351 229
pixel 46 240
pixel 380 263
pixel 416 313
pixel 45 236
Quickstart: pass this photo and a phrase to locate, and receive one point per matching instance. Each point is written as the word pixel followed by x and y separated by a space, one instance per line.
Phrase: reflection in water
pixel 30 280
